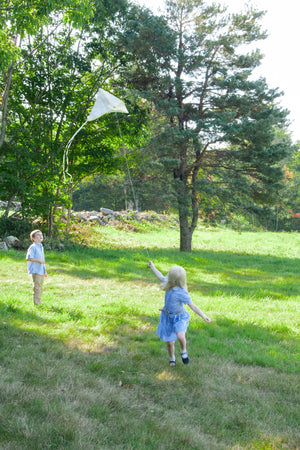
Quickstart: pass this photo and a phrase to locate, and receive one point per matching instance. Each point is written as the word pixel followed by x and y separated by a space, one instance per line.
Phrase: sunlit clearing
pixel 168 376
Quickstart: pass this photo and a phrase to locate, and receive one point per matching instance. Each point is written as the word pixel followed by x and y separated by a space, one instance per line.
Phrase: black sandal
pixel 185 358
pixel 172 362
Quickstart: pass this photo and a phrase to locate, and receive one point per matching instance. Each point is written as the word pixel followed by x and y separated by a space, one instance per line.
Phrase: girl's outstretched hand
pixel 149 264
pixel 207 319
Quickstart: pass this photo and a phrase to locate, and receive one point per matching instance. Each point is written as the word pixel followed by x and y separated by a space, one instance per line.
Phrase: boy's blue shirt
pixel 36 251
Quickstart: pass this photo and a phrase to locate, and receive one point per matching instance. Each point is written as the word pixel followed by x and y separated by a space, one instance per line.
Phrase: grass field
pixel 85 370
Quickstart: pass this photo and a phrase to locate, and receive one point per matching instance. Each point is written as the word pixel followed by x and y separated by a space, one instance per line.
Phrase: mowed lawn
pixel 85 370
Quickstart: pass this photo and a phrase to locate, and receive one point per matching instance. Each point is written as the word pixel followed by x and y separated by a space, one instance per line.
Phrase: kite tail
pixel 66 154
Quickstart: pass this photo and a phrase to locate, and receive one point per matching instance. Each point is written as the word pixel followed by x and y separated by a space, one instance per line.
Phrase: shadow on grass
pixel 9 311
pixel 41 381
pixel 51 392
pixel 244 275
pixel 261 275
pixel 248 344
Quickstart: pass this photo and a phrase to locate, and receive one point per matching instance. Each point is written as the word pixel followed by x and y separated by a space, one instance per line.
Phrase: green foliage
pixel 15 227
pixel 62 71
pixel 115 192
pixel 217 135
pixel 21 18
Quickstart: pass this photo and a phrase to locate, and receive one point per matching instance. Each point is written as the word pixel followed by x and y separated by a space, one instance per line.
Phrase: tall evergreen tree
pixel 217 138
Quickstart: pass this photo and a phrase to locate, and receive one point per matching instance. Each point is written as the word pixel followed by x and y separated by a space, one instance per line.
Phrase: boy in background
pixel 36 264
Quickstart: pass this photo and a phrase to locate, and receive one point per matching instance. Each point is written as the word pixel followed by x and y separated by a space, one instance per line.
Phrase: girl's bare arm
pixel 199 312
pixel 155 271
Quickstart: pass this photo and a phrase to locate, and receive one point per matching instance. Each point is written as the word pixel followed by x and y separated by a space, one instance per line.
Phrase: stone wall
pixel 108 217
pixel 103 217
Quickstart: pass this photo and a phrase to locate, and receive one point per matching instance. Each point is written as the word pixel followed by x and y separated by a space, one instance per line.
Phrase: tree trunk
pixel 185 238
pixel 8 206
pixel 187 202
pixel 7 81
pixel 50 222
pixel 277 213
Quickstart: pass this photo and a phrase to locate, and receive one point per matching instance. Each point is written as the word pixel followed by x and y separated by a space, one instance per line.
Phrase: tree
pixel 21 18
pixel 61 72
pixel 287 209
pixel 217 138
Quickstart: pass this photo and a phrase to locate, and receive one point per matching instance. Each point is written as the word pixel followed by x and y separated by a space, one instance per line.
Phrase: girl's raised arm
pixel 155 271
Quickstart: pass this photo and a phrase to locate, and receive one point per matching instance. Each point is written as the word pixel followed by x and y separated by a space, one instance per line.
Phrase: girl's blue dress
pixel 174 317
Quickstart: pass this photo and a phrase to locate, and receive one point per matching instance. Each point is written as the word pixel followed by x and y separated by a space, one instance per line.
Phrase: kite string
pixel 127 166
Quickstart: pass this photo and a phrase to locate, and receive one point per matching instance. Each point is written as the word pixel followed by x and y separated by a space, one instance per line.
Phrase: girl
pixel 174 319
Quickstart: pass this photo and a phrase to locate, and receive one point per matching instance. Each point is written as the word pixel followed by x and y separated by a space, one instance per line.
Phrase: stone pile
pixel 108 217
pixel 16 206
pixel 103 217
pixel 9 242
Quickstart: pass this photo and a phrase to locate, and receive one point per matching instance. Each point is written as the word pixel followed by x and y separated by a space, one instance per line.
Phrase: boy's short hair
pixel 33 233
pixel 175 277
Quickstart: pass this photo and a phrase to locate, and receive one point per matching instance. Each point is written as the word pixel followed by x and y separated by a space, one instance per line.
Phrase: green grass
pixel 85 370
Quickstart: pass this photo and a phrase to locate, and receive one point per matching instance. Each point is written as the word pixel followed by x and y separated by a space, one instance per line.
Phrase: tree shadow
pixel 249 344
pixel 241 274
pixel 8 311
pixel 58 375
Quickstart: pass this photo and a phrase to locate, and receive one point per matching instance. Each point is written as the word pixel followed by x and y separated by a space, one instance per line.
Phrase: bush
pixel 15 227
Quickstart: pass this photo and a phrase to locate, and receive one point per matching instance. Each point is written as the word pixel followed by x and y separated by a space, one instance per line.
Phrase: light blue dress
pixel 174 317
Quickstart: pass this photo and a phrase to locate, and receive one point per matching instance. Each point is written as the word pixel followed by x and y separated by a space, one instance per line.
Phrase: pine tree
pixel 217 136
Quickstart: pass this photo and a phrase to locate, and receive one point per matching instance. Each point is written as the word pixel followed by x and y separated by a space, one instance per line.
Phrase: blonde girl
pixel 174 319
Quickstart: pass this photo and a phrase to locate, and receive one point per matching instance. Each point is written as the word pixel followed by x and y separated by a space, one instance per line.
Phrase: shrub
pixel 15 227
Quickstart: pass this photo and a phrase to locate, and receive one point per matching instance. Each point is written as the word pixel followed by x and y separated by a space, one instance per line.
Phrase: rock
pixel 3 246
pixel 106 211
pixel 37 222
pixel 12 241
pixel 13 205
pixel 94 219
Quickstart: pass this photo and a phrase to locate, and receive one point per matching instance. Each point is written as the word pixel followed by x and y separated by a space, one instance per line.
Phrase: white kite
pixel 105 103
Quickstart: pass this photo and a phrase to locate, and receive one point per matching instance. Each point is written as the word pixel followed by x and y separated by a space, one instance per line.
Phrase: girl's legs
pixel 182 342
pixel 171 349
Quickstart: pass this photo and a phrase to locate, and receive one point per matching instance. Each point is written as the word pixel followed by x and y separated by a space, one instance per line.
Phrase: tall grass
pixel 85 370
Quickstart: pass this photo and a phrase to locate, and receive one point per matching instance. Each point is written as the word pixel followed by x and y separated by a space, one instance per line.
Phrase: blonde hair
pixel 33 233
pixel 175 277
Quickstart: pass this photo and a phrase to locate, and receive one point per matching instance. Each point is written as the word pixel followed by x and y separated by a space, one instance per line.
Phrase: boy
pixel 36 264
